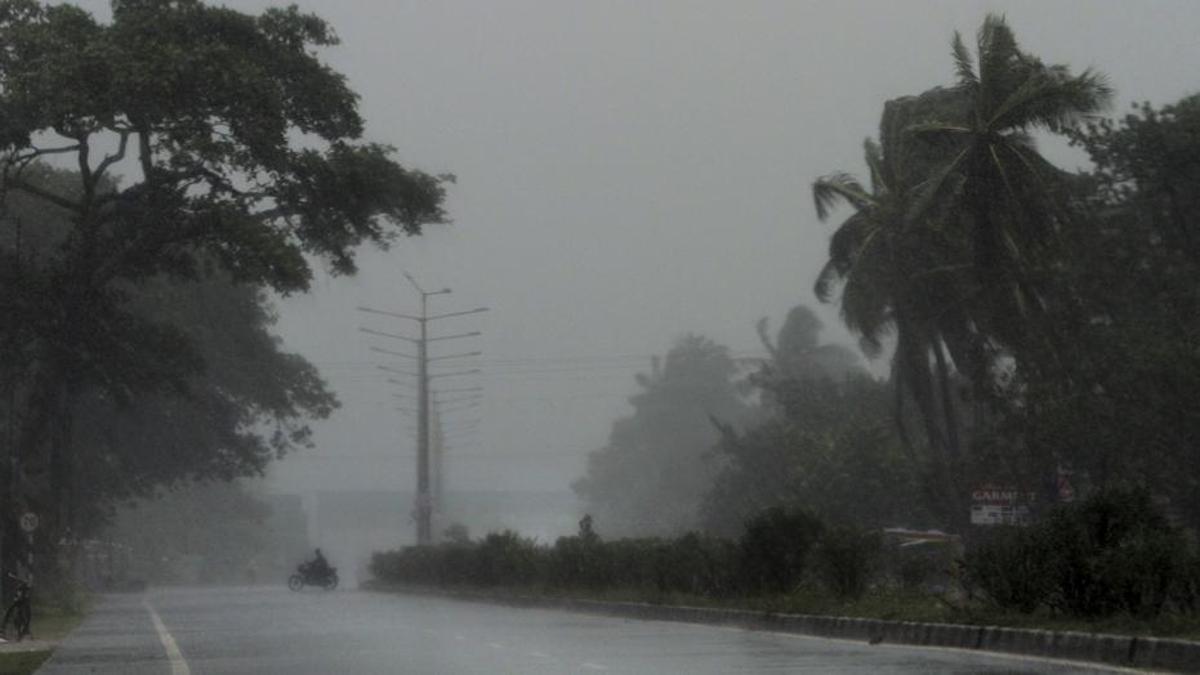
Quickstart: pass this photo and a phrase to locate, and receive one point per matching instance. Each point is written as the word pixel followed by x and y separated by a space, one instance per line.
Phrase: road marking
pixel 539 655
pixel 593 666
pixel 179 665
pixel 495 645
pixel 460 638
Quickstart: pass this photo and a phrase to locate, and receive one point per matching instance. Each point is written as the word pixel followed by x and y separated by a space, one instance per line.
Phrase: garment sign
pixel 1000 505
pixel 29 521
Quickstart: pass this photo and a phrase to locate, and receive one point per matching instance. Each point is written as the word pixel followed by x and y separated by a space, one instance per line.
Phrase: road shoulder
pixel 1156 654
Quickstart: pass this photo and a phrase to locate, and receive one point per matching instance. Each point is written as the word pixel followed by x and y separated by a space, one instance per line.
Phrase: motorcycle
pixel 306 576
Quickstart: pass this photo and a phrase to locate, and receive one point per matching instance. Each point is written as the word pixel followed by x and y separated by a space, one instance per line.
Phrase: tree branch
pixel 113 159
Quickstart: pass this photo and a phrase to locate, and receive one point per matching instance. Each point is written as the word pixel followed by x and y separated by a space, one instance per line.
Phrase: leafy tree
pixel 1131 279
pixel 204 105
pixel 652 475
pixel 828 445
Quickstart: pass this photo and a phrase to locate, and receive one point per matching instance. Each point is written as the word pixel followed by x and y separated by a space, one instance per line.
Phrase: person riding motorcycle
pixel 319 567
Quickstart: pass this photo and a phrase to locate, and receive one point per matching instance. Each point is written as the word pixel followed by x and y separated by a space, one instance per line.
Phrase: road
pixel 272 630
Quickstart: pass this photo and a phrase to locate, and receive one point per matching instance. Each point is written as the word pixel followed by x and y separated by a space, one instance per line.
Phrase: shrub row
pixel 1111 554
pixel 779 548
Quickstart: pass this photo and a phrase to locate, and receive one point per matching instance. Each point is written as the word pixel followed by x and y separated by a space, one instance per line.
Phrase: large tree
pixel 903 277
pixel 238 148
pixel 827 443
pixel 651 476
pixel 993 183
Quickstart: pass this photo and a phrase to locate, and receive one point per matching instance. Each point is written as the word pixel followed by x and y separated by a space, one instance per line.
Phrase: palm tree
pixel 902 277
pixel 992 181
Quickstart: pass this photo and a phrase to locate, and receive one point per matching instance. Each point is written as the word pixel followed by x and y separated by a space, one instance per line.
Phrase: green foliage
pixel 506 558
pixel 775 549
pixel 651 477
pixel 1111 554
pixel 848 557
pixel 208 104
pixel 829 444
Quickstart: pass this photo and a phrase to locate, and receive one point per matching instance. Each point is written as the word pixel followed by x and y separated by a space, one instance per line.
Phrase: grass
pixel 22 663
pixel 53 624
pixel 49 624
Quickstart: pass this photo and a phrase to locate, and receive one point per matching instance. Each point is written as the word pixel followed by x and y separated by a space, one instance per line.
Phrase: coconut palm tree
pixel 992 180
pixel 904 278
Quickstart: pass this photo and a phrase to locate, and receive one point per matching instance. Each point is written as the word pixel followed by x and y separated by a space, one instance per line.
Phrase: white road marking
pixel 495 645
pixel 460 638
pixel 593 666
pixel 539 655
pixel 179 665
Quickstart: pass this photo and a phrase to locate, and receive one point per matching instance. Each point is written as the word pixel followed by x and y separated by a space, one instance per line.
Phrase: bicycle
pixel 21 609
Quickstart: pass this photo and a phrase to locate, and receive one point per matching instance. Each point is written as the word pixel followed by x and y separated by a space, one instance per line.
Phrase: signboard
pixel 29 521
pixel 997 505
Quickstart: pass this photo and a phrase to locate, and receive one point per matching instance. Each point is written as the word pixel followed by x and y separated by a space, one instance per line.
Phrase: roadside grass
pixel 50 624
pixel 22 663
pixel 887 604
pixel 53 623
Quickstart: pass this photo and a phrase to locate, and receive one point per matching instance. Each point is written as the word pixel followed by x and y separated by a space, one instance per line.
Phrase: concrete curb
pixel 1158 654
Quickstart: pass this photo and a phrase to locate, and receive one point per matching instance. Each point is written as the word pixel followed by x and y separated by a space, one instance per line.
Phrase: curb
pixel 1159 654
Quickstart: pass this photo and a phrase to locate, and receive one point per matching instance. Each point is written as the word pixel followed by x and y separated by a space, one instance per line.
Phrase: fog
pixel 627 172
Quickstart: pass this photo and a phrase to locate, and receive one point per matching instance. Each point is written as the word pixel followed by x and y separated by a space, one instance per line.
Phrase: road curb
pixel 1159 654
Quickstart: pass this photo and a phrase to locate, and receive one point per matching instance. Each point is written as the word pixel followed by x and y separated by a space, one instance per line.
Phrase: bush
pixel 506 559
pixel 847 558
pixel 774 549
pixel 1012 567
pixel 695 564
pixel 1113 553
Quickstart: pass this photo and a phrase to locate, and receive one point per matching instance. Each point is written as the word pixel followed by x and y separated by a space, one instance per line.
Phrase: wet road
pixel 271 630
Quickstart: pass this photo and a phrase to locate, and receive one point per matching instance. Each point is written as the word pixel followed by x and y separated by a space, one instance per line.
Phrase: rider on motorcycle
pixel 319 567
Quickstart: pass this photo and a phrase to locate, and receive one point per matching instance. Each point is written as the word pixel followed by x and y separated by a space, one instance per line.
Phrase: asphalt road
pixel 272 630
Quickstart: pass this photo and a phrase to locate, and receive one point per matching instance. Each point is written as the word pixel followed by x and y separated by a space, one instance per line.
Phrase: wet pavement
pixel 272 630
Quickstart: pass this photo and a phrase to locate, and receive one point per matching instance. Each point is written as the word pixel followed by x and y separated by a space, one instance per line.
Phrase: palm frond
pixel 874 158
pixel 836 187
pixel 938 188
pixel 964 65
pixel 997 54
pixel 831 275
pixel 1053 100
pixel 935 132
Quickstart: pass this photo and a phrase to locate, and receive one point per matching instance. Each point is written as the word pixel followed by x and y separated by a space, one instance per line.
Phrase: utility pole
pixel 424 500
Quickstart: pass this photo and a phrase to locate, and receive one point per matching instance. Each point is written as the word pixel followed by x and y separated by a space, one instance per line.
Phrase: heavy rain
pixel 633 337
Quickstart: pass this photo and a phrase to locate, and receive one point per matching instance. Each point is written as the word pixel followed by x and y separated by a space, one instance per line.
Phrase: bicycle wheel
pixel 295 582
pixel 331 581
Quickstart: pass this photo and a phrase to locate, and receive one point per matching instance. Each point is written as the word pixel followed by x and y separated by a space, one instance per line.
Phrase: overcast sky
pixel 629 171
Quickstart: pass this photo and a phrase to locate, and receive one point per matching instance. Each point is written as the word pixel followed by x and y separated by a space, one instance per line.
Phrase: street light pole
pixel 424 501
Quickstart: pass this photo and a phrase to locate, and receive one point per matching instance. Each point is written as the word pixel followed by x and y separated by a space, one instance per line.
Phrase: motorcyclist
pixel 319 567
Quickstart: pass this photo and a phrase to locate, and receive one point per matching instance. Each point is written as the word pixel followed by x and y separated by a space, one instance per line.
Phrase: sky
pixel 628 171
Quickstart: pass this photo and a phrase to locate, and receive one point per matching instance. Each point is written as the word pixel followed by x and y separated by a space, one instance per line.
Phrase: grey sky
pixel 629 171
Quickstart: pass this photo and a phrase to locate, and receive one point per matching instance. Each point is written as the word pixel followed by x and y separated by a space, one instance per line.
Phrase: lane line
pixel 539 655
pixel 495 645
pixel 179 665
pixel 593 666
